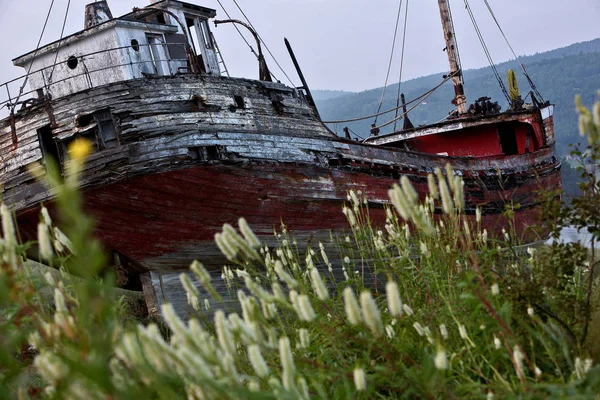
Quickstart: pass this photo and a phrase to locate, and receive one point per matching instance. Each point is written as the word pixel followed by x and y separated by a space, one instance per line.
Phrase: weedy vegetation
pixel 426 307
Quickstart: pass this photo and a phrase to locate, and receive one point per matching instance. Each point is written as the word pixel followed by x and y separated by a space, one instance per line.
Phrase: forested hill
pixel 558 74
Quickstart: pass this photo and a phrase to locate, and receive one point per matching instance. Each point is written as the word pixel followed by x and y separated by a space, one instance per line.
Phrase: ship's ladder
pixel 220 60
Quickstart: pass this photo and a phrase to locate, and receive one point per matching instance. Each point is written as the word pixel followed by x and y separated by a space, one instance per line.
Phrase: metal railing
pixel 11 101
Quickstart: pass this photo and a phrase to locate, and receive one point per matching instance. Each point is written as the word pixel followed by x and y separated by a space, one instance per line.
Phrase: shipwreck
pixel 180 147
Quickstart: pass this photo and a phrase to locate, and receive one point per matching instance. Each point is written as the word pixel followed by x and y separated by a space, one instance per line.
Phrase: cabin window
pixel 72 62
pixel 160 18
pixel 135 45
pixel 48 144
pixel 158 52
pixel 508 139
pixel 107 130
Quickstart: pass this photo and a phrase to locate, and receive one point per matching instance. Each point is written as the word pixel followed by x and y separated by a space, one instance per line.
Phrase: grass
pixel 452 314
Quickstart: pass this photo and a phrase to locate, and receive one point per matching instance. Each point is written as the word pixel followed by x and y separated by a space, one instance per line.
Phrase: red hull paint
pixel 164 221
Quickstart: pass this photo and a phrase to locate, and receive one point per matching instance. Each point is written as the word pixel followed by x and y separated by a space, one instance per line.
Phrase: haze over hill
pixel 559 75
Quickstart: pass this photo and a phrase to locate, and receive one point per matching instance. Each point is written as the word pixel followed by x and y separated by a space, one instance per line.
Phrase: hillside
pixel 559 74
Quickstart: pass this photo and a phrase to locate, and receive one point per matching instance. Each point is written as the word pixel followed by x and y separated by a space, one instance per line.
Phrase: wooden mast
pixel 453 57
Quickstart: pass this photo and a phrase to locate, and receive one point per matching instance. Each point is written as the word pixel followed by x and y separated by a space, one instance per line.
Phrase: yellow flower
pixel 80 149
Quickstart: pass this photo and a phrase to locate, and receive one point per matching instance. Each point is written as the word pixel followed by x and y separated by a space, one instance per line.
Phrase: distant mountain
pixel 322 95
pixel 558 74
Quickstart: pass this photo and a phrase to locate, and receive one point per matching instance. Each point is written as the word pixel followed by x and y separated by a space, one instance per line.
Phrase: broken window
pixel 107 130
pixel 48 144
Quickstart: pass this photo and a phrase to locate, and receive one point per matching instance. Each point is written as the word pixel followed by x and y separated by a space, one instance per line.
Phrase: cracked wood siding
pixel 168 109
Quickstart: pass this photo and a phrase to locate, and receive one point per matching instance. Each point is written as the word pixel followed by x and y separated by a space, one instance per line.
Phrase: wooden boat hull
pixel 189 158
pixel 165 220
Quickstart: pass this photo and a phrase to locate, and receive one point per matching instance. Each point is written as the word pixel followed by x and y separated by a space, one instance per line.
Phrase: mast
pixel 453 57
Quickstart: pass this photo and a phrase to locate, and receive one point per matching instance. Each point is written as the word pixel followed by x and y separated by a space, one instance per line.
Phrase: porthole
pixel 135 45
pixel 72 62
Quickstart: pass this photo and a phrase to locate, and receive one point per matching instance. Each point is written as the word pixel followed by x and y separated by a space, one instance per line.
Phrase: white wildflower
pixel 409 311
pixel 495 289
pixel 318 285
pixel 371 313
pixel 45 244
pixel 304 338
pixel 419 328
pixel 497 343
pixel 441 361
pixel 447 203
pixel 360 380
pixel 400 202
pixel 463 332
pixel 284 276
pixel 433 189
pixel 351 306
pixel 224 333
pixel 390 331
pixel 518 358
pixel 287 360
pixel 409 191
pixel 257 361
pixel 227 247
pixel 248 234
pixel 530 311
pixel 306 313
pixel 393 299
pixel 8 227
pixel 444 331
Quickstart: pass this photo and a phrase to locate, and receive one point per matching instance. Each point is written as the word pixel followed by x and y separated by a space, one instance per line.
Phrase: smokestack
pixel 97 13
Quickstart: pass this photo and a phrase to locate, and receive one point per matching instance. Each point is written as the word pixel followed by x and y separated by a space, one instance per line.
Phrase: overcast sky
pixel 340 44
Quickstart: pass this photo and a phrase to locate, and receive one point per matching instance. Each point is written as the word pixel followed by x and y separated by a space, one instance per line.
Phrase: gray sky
pixel 340 44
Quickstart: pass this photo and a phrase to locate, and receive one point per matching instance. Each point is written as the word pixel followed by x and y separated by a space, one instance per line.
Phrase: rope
pixel 62 32
pixel 390 62
pixel 419 99
pixel 356 134
pixel 401 61
pixel 238 30
pixel 513 52
pixel 487 52
pixel 409 110
pixel 34 54
pixel 263 42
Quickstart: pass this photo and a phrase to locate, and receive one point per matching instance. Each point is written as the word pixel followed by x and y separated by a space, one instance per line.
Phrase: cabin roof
pixel 21 60
pixel 124 20
pixel 211 13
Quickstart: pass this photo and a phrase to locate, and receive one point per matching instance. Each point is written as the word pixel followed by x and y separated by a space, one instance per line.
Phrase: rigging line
pixel 356 134
pixel 401 61
pixel 425 97
pixel 33 57
pixel 238 30
pixel 487 52
pixel 62 32
pixel 263 42
pixel 513 51
pixel 387 77
pixel 394 109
